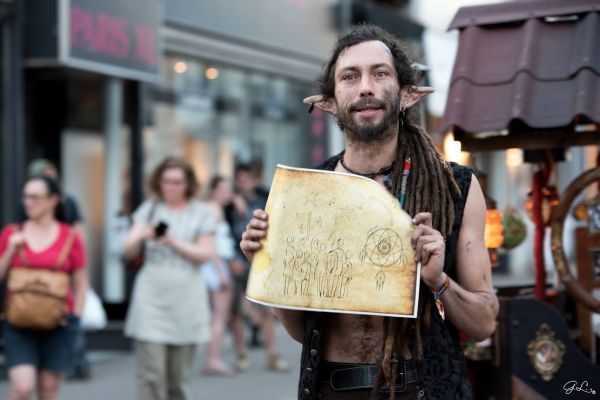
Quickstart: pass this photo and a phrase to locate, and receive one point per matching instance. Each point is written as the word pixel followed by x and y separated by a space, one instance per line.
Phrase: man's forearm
pixel 473 313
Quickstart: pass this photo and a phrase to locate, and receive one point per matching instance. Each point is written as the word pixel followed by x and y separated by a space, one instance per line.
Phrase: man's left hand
pixel 430 250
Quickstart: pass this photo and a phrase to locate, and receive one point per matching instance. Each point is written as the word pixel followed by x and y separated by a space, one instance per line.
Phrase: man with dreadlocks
pixel 369 85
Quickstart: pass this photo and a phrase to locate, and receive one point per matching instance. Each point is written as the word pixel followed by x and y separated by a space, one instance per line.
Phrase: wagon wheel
pixel 574 288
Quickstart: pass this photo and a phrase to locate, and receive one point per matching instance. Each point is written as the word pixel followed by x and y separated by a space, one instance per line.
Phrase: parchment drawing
pixel 336 242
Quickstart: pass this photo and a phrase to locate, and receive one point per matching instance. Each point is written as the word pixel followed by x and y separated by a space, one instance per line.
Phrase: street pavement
pixel 113 377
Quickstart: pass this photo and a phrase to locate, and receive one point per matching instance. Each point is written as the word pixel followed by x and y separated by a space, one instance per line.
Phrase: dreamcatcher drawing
pixel 382 248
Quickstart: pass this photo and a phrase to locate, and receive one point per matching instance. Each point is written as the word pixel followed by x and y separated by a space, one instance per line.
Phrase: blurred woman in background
pixel 218 277
pixel 36 359
pixel 169 314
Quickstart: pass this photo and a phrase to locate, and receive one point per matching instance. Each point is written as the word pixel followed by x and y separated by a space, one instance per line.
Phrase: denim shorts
pixel 211 274
pixel 51 350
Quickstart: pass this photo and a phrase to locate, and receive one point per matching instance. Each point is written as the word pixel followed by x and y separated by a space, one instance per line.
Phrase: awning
pixel 527 74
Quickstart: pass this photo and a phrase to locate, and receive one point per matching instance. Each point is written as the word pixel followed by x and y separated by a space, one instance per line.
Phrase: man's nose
pixel 366 86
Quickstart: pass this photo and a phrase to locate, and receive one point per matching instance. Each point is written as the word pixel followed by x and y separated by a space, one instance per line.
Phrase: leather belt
pixel 345 377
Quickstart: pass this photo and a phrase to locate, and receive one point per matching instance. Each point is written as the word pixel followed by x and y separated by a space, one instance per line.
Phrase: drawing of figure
pixel 317 249
pixel 303 268
pixel 383 248
pixel 337 259
pixel 319 268
pixel 289 264
pixel 304 229
pixel 346 276
pixel 331 266
pixel 336 224
pixel 379 280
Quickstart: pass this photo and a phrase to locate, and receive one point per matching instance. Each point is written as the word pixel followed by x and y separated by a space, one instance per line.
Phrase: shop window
pixel 215 115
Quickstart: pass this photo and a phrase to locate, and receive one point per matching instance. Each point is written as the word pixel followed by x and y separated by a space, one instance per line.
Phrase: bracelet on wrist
pixel 438 293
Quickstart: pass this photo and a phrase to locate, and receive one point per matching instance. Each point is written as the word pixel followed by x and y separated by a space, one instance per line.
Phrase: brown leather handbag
pixel 37 298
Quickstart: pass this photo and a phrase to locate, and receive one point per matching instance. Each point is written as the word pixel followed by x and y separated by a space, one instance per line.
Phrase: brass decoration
pixel 546 352
pixel 559 216
pixel 557 248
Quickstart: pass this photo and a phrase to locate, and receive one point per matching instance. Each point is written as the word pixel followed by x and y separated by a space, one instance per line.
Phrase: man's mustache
pixel 362 103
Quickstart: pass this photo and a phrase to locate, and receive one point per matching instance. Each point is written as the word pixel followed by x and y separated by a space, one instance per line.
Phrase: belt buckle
pixel 400 386
pixel 334 384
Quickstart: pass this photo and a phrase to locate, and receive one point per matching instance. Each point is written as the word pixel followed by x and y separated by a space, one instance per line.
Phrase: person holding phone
pixel 169 314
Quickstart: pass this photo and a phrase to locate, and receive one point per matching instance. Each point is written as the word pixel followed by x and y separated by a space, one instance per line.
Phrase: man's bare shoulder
pixel 472 258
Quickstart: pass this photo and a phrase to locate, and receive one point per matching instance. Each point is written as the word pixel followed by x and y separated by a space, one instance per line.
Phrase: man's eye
pixel 348 77
pixel 380 74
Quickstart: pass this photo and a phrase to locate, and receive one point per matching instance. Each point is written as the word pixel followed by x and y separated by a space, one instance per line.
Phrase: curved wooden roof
pixel 527 74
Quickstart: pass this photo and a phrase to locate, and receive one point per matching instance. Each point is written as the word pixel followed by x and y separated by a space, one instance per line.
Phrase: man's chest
pixel 353 338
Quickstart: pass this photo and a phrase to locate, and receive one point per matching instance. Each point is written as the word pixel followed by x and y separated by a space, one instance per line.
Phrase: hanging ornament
pixel 579 212
pixel 515 230
pixel 550 199
pixel 493 228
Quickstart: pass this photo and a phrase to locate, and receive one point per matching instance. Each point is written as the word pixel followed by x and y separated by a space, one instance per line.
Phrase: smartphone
pixel 160 229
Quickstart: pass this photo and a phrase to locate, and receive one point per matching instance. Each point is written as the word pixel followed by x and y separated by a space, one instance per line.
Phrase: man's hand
pixel 430 250
pixel 256 230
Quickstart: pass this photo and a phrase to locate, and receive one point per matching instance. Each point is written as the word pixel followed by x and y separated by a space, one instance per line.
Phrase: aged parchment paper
pixel 336 242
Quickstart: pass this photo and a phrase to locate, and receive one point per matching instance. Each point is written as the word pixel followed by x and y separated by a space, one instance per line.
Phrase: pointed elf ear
pixel 412 95
pixel 319 101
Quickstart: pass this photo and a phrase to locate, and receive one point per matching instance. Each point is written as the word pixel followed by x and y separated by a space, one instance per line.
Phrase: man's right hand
pixel 256 230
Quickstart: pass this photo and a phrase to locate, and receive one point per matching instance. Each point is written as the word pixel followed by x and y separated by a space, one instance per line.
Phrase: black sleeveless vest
pixel 444 372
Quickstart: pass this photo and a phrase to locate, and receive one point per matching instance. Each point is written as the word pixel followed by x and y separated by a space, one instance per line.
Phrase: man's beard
pixel 370 131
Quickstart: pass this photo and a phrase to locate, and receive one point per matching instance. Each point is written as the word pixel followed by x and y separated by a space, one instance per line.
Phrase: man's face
pixel 367 93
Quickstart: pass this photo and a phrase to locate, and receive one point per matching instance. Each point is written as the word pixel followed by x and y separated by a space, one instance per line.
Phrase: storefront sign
pixel 112 37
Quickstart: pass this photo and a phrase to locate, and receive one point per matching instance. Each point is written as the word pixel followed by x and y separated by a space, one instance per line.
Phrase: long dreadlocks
pixel 431 188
